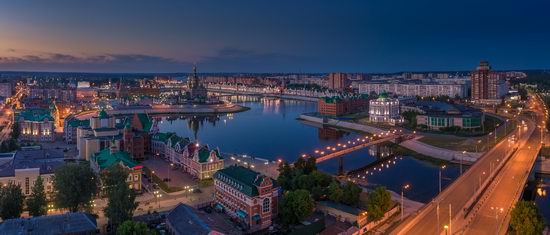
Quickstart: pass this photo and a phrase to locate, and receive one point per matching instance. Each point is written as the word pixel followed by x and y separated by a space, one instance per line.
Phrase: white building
pixel 24 167
pixel 411 89
pixel 384 109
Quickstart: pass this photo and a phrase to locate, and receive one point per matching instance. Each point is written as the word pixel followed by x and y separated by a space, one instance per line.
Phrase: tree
pixel 36 203
pixel 295 206
pixel 335 192
pixel 310 166
pixel 121 199
pixel 11 201
pixel 351 193
pixel 526 219
pixel 15 130
pixel 379 202
pixel 321 179
pixel 300 163
pixel 76 184
pixel 133 228
pixel 305 182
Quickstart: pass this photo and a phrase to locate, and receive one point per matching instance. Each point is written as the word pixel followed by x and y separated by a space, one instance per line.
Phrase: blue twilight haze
pixel 273 36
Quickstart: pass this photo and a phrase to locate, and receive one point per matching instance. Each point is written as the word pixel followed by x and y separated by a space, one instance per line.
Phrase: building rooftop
pixel 70 223
pixel 48 160
pixel 35 114
pixel 440 108
pixel 188 220
pixel 105 159
pixel 242 178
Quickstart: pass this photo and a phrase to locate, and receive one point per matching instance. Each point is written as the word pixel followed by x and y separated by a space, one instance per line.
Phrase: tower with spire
pixel 196 90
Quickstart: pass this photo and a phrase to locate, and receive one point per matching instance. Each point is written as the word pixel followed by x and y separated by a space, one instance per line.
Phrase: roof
pixel 105 159
pixel 184 219
pixel 69 223
pixel 242 179
pixel 145 121
pixel 162 136
pixel 434 108
pixel 36 114
pixel 79 123
pixel 103 114
pixel 204 154
pixel 47 160
pixel 333 99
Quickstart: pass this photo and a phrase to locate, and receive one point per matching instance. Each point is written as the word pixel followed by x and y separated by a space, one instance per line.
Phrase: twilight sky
pixel 273 36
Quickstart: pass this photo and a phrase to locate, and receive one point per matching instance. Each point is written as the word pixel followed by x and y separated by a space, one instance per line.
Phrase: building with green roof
pixel 36 124
pixel 246 195
pixel 112 156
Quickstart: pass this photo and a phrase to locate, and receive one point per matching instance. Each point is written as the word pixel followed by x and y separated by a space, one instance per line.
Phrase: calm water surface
pixel 270 130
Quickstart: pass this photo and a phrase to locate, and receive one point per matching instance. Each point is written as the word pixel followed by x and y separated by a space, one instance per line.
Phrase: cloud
pixel 95 63
pixel 235 59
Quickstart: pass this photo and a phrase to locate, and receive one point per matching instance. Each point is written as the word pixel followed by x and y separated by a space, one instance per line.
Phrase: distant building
pixel 6 89
pixel 384 109
pixel 437 115
pixel 196 90
pixel 247 195
pixel 414 89
pixel 341 105
pixel 199 161
pixel 24 167
pixel 109 157
pixel 338 81
pixel 70 125
pixel 63 224
pixel 36 125
pixel 487 87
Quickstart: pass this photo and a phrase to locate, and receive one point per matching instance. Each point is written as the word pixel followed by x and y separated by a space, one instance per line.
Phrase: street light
pixel 402 201
pixel 497 210
pixel 169 172
pixel 463 154
pixel 441 168
pixel 446 227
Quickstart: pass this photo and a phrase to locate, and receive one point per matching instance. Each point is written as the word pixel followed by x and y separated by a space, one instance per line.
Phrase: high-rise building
pixel 484 83
pixel 338 81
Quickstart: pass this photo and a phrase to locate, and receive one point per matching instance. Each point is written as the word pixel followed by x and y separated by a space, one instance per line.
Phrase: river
pixel 270 130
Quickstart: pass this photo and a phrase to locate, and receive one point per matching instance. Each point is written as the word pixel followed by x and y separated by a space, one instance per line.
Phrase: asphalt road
pixel 448 205
pixel 494 215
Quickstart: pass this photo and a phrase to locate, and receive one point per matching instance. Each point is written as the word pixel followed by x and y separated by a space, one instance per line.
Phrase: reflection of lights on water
pixel 541 192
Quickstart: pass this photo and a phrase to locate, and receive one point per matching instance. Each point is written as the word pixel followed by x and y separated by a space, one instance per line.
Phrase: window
pixel 265 205
pixel 27 185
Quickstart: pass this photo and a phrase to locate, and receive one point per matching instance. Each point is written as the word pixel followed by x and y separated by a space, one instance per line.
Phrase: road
pixel 493 214
pixel 441 212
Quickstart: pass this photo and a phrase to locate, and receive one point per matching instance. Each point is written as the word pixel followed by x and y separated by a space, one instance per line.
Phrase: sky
pixel 371 36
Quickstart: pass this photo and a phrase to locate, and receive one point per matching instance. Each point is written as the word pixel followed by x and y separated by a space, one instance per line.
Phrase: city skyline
pixel 370 37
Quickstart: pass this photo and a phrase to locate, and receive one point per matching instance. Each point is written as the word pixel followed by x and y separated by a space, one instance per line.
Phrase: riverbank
pixel 414 144
pixel 172 109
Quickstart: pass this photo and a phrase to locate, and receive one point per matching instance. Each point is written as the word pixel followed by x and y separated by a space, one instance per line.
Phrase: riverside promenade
pixel 413 144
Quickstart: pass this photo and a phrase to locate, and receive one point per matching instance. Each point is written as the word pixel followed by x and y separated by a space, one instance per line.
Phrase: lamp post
pixel 402 200
pixel 497 210
pixel 463 155
pixel 169 172
pixel 440 169
pixel 446 227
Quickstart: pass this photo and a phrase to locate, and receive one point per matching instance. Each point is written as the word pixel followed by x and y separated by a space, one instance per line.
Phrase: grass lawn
pixel 464 143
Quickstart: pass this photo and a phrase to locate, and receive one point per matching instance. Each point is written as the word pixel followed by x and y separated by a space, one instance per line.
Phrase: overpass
pixel 495 180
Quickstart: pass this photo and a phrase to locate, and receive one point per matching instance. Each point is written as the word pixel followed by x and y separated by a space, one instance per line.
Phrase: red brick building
pixel 136 137
pixel 247 195
pixel 337 106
